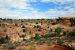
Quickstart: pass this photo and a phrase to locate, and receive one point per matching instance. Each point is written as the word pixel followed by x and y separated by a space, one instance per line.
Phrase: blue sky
pixel 36 9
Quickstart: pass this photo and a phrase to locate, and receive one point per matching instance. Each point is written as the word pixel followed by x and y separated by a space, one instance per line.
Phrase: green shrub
pixel 71 34
pixel 47 35
pixel 10 46
pixel 49 23
pixel 58 30
pixel 49 42
pixel 4 40
pixel 37 37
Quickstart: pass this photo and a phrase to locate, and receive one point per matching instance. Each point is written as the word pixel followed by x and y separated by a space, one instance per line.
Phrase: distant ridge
pixel 69 17
pixel 65 17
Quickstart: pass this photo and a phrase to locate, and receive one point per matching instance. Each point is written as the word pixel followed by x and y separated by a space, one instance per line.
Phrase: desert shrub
pixel 22 21
pixel 53 23
pixel 39 29
pixel 71 34
pixel 58 30
pixel 16 24
pixel 49 22
pixel 21 49
pixel 47 35
pixel 36 22
pixel 37 26
pixel 23 26
pixel 5 30
pixel 10 46
pixel 49 42
pixel 4 40
pixel 37 37
pixel 24 49
pixel 24 30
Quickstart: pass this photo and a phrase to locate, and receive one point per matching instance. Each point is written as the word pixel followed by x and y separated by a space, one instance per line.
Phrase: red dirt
pixel 61 47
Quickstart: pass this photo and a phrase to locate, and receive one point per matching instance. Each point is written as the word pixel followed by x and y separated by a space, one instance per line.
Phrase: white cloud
pixel 15 3
pixel 51 13
pixel 32 0
pixel 30 15
pixel 61 1
pixel 34 14
pixel 61 13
